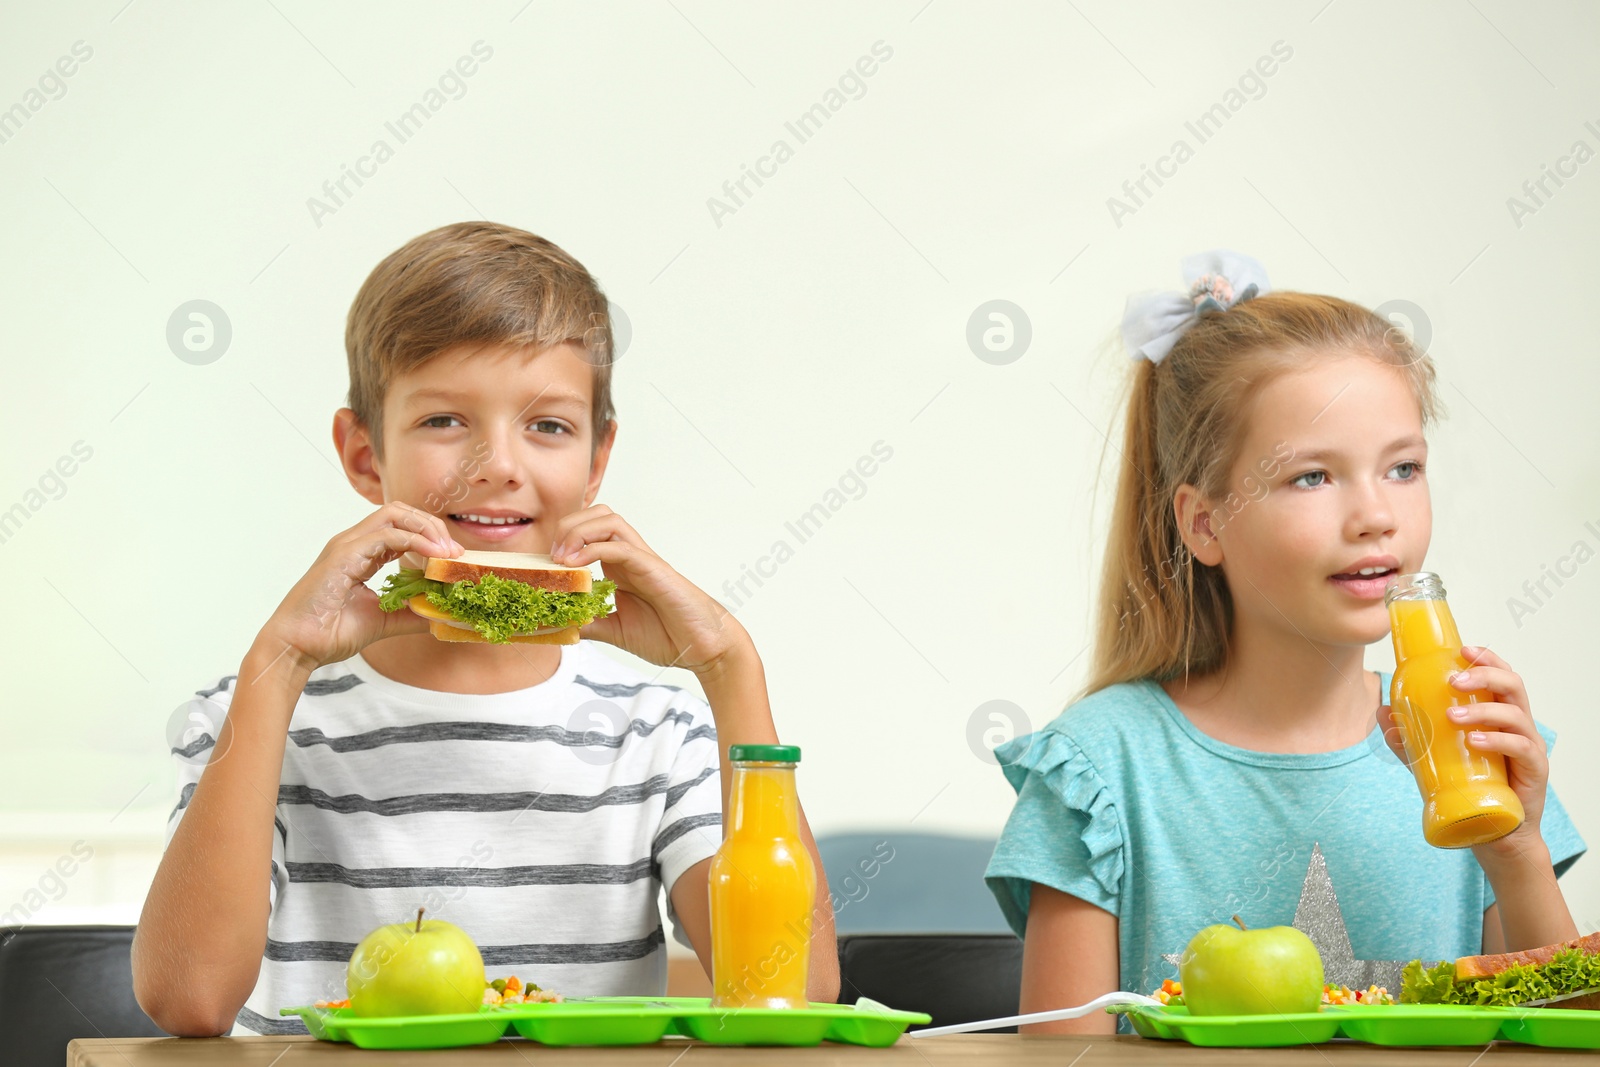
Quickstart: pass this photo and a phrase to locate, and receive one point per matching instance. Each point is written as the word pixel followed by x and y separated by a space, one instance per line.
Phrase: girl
pixel 1273 451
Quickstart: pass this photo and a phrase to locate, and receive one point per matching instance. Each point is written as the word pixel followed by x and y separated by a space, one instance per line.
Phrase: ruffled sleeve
pixel 1064 831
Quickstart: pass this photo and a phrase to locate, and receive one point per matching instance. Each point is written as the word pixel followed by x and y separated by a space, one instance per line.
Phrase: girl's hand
pixel 1510 732
pixel 661 616
pixel 1504 725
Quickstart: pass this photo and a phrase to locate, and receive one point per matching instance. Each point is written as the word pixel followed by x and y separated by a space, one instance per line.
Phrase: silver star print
pixel 1319 917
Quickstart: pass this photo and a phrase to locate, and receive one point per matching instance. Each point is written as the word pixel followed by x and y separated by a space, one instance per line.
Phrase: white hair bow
pixel 1218 279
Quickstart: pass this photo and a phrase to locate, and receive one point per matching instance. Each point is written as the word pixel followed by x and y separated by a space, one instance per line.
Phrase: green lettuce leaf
pixel 498 607
pixel 401 586
pixel 1430 985
pixel 1511 986
pixel 1568 971
pixel 1573 969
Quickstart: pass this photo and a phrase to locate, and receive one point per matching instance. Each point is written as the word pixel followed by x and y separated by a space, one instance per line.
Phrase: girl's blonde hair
pixel 1161 614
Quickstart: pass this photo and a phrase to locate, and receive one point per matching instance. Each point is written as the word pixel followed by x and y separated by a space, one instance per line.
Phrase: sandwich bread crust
pixel 534 568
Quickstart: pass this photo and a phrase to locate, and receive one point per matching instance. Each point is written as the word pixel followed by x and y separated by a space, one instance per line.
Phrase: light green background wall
pixel 773 345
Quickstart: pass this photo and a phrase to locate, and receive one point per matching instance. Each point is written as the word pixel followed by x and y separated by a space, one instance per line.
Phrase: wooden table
pixel 928 1052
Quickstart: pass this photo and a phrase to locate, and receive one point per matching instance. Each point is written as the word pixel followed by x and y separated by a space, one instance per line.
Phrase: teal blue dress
pixel 1125 803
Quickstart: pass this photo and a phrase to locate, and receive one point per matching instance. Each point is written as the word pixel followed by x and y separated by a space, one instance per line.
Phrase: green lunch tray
pixel 1235 1031
pixel 875 1027
pixel 615 1021
pixel 1377 1024
pixel 403 1031
pixel 1552 1027
pixel 1421 1024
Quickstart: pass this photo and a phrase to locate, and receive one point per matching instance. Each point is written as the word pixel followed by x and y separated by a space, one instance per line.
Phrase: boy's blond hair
pixel 1159 612
pixel 472 283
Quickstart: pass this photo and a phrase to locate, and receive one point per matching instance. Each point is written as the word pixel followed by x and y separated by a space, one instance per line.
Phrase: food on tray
pixel 415 968
pixel 499 597
pixel 1228 970
pixel 1509 978
pixel 1171 994
pixel 1343 994
pixel 513 990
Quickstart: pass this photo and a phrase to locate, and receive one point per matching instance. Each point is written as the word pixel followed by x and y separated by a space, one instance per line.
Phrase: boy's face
pixel 1348 483
pixel 479 433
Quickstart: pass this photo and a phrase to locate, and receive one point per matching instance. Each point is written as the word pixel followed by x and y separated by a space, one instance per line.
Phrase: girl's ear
pixel 1194 525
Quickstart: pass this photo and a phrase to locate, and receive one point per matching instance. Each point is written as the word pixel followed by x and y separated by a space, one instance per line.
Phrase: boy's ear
pixel 354 445
pixel 1194 525
pixel 597 465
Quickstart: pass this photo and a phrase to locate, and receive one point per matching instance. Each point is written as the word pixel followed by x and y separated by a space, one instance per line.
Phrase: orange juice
pixel 763 887
pixel 1465 798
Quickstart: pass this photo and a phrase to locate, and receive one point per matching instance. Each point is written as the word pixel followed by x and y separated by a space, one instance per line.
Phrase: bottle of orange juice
pixel 763 887
pixel 1465 798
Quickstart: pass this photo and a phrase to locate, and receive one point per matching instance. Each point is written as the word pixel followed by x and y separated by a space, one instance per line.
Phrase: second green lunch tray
pixel 1378 1024
pixel 1235 1031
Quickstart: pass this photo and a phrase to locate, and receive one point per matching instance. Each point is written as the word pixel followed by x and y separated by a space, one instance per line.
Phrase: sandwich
pixel 499 597
pixel 1511 978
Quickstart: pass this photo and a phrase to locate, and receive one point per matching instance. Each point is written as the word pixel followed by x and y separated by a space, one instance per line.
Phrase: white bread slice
pixel 445 632
pixel 535 568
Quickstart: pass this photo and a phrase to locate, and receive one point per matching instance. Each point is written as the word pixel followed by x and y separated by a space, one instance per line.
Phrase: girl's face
pixel 1330 480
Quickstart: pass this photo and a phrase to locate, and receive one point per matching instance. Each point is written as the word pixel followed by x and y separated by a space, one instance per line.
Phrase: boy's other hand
pixel 661 616
pixel 330 614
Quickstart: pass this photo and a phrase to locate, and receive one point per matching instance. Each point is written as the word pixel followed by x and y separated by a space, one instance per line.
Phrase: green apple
pixel 1230 970
pixel 420 968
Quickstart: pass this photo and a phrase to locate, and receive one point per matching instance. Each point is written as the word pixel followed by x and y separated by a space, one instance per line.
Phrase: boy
pixel 537 795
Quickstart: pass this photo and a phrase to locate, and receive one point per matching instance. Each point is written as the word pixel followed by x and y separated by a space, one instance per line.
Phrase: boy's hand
pixel 661 616
pixel 1504 726
pixel 330 614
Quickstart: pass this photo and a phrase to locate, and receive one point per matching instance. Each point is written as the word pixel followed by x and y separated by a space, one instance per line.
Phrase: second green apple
pixel 1228 970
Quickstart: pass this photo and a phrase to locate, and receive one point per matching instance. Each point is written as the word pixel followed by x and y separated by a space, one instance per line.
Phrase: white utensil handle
pixel 1097 1004
pixel 1557 1000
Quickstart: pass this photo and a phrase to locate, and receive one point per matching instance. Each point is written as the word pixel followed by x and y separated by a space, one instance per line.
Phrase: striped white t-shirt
pixel 544 822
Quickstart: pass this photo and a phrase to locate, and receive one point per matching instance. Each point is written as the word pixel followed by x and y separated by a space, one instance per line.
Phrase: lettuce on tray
pixel 1568 971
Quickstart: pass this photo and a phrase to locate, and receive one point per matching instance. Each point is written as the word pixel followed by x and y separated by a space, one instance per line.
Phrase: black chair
pixel 896 881
pixel 956 978
pixel 62 982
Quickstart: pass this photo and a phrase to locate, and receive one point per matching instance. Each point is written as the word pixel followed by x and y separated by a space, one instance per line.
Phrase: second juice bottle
pixel 1466 799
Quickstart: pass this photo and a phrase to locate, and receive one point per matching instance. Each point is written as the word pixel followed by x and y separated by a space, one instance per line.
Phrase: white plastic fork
pixel 1547 1001
pixel 1097 1004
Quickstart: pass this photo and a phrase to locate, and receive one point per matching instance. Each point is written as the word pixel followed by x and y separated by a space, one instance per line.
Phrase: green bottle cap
pixel 764 753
